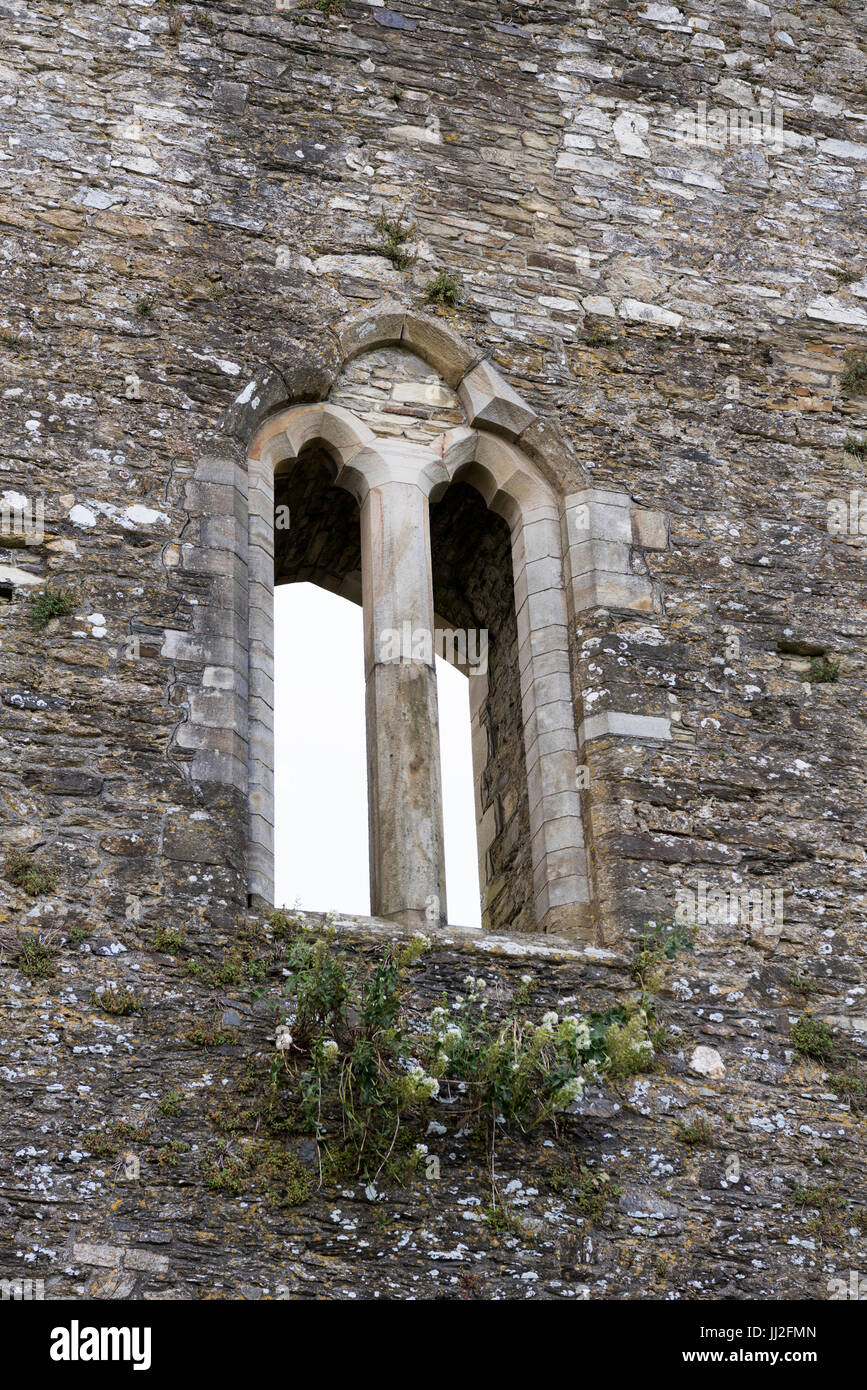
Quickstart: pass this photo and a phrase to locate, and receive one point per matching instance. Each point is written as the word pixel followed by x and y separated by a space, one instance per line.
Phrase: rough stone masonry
pixel 663 298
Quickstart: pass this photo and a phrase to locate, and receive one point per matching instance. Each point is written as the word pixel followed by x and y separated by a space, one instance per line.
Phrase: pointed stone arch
pixel 572 554
pixel 483 452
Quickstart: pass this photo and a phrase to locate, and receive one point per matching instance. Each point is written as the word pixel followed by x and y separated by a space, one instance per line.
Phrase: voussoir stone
pixel 371 329
pixel 489 400
pixel 437 344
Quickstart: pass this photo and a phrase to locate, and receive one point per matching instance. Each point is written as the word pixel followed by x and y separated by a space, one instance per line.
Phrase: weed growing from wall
pixel 25 871
pixel 813 1038
pixel 171 1105
pixel 698 1134
pixel 823 671
pixel 50 603
pixel 34 958
pixel 851 1088
pixel 444 288
pixel 853 382
pixel 834 1213
pixel 395 235
pixel 118 1001
pixel 627 1039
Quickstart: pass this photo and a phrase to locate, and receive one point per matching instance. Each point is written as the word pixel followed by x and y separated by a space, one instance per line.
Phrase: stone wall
pixel 188 206
pixel 104 1186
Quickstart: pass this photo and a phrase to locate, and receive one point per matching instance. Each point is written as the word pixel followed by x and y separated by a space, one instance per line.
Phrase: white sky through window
pixel 320 765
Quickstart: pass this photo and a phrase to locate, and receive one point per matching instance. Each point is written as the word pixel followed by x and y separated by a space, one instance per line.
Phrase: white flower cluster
pixel 330 1051
pixel 641 1047
pixel 283 1038
pixel 573 1027
pixel 567 1095
pixel 545 1030
pixel 424 1085
pixel 475 987
pixel 447 1036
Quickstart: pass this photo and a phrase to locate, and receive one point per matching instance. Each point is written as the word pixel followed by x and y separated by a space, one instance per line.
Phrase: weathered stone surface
pixel 708 1223
pixel 64 781
pixel 196 213
pixel 706 1061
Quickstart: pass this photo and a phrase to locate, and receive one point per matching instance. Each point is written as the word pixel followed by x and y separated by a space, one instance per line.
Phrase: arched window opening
pixel 320 771
pixel 459 798
pixel 320 763
pixel 474 599
pixel 448 533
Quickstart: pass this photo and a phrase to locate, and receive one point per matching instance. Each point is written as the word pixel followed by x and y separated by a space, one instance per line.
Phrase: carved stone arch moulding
pixel 570 553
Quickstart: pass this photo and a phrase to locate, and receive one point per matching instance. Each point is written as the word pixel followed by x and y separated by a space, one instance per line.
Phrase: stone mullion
pixel 404 783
